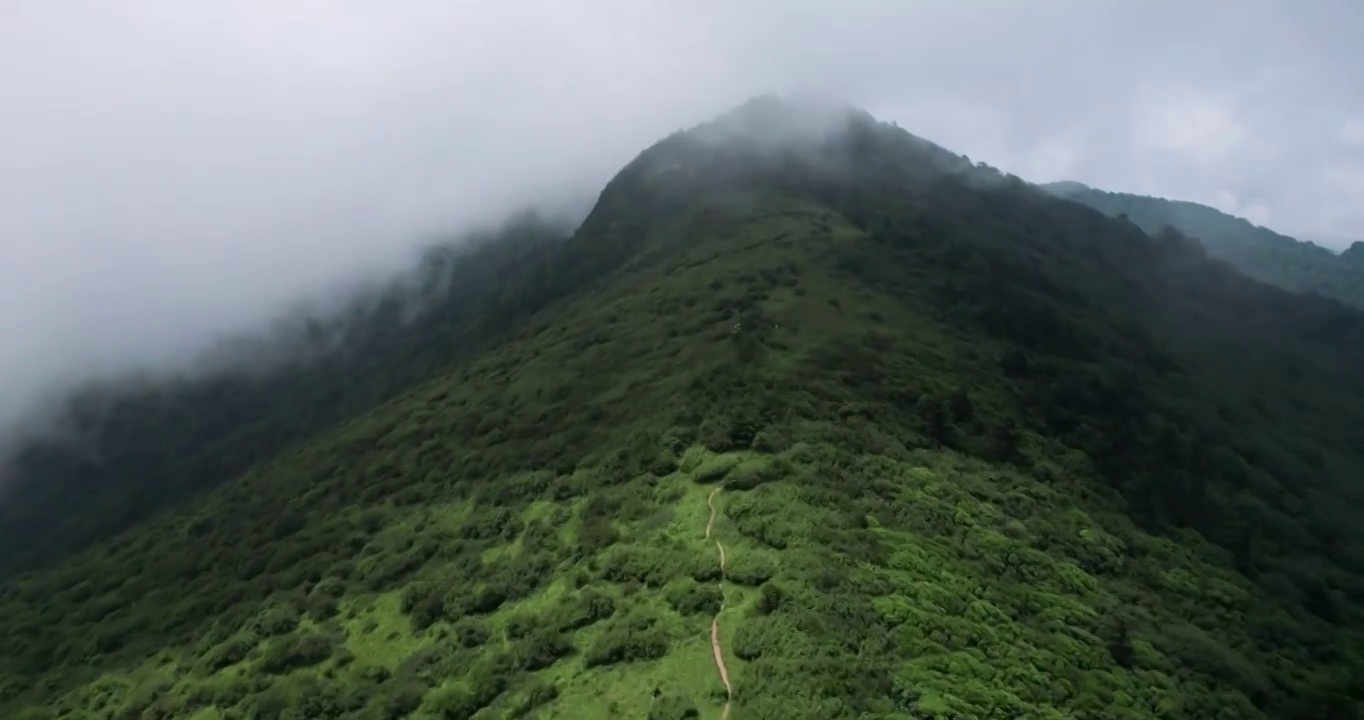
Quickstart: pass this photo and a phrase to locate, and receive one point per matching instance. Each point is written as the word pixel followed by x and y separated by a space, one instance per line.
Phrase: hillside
pixel 143 445
pixel 1256 251
pixel 981 452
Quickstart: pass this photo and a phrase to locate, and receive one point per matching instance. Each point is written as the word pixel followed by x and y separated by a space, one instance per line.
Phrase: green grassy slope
pixel 1258 252
pixel 985 454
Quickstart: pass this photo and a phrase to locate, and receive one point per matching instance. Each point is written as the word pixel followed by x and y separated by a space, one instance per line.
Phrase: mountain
pixel 1256 251
pixel 906 436
pixel 1354 254
pixel 130 448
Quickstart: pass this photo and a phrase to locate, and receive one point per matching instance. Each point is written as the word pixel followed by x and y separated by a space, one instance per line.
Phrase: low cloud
pixel 175 171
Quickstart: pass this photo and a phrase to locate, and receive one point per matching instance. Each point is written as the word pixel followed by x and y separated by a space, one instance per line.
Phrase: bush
pixel 673 707
pixel 584 609
pixel 453 702
pixel 692 598
pixel 398 699
pixel 542 649
pixel 277 619
pixel 424 604
pixel 231 651
pixel 301 649
pixel 770 598
pixel 471 632
pixel 537 693
pixel 635 638
pixel 715 468
pixel 750 474
pixel 751 639
pixel 749 570
pixel 664 463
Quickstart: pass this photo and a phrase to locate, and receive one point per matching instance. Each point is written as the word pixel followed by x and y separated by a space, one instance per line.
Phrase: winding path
pixel 715 621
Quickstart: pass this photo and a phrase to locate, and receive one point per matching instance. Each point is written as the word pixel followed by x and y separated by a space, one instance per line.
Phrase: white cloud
pixel 176 170
pixel 1228 202
pixel 1200 126
pixel 1054 159
pixel 965 125
pixel 1352 132
pixel 1341 192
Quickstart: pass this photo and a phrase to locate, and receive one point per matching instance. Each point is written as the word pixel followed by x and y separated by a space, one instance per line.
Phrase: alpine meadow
pixel 809 418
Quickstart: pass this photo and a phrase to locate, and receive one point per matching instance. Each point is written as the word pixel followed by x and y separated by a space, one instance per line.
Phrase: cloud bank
pixel 174 171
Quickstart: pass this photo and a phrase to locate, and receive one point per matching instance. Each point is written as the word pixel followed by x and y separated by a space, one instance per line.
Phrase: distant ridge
pixel 1295 265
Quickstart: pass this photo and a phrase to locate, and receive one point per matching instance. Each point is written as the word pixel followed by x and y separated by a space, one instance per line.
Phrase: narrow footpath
pixel 715 621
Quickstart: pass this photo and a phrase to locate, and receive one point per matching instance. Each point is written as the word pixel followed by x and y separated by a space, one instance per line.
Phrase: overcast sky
pixel 173 169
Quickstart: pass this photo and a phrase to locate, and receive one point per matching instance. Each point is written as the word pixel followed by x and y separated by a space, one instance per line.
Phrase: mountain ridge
pixel 985 451
pixel 1259 252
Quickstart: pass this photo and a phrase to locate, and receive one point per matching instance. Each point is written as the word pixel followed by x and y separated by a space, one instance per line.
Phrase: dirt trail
pixel 715 621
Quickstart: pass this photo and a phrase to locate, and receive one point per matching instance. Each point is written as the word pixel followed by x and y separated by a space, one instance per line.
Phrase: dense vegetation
pixel 142 446
pixel 1259 252
pixel 986 453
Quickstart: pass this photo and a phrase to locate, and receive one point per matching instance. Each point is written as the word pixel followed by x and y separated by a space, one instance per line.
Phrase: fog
pixel 177 171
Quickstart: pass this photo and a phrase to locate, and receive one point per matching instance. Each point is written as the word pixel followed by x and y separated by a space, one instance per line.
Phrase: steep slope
pixel 136 446
pixel 1258 252
pixel 985 453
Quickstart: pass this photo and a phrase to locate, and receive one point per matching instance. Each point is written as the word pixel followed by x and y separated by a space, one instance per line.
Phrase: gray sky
pixel 173 169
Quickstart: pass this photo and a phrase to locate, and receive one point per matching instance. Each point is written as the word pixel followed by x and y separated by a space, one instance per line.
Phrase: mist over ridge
pixel 178 176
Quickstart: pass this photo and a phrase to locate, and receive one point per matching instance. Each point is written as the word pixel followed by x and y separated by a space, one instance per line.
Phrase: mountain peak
pixel 1066 187
pixel 789 143
pixel 1354 253
pixel 771 121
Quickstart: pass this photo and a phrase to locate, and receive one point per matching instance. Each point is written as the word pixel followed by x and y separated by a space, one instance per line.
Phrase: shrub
pixel 301 649
pixel 692 598
pixel 715 468
pixel 632 639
